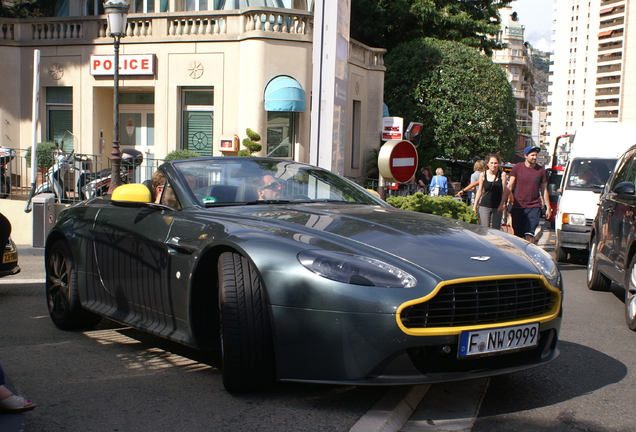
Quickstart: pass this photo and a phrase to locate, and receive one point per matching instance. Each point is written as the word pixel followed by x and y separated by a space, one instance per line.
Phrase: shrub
pixel 45 155
pixel 250 143
pixel 180 154
pixel 441 206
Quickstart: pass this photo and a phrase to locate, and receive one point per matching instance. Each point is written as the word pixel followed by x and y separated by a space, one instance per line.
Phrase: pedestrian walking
pixel 491 193
pixel 528 183
pixel 479 167
pixel 439 184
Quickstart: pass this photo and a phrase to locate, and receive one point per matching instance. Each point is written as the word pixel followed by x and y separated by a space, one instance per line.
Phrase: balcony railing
pixel 208 25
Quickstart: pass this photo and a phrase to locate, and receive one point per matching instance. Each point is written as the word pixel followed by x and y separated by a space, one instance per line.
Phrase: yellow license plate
pixel 9 257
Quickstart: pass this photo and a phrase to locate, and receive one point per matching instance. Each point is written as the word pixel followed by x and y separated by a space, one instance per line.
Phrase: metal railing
pixel 19 174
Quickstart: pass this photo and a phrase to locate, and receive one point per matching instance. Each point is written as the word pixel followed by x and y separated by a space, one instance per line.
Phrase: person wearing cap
pixel 528 182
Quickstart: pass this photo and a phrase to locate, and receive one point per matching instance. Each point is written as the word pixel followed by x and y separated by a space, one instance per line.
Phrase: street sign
pixel 397 161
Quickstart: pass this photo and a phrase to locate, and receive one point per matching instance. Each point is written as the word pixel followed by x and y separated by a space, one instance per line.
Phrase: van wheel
pixel 630 295
pixel 596 281
pixel 560 255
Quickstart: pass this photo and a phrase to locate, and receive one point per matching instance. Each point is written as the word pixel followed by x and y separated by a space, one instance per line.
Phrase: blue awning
pixel 284 93
pixel 385 110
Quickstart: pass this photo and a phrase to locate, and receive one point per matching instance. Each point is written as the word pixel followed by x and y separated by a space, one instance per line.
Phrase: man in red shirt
pixel 528 182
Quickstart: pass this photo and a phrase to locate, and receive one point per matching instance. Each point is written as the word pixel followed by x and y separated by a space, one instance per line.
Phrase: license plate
pixel 9 257
pixel 500 339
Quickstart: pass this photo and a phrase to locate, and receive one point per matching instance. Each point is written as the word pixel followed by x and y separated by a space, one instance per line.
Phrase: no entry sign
pixel 397 161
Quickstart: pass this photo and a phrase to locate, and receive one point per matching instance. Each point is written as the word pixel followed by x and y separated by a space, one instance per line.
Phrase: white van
pixel 593 155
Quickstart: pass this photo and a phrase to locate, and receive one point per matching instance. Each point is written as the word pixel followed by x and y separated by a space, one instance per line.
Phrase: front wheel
pixel 62 296
pixel 596 281
pixel 246 332
pixel 560 255
pixel 630 295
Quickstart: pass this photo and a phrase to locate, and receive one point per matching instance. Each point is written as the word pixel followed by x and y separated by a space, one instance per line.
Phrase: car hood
pixel 443 246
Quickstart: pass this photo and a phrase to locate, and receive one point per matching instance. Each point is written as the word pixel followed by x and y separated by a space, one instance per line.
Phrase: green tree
pixel 388 23
pixel 464 99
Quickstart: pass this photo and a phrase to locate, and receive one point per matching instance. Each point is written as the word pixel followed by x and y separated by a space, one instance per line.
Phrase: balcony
pixel 614 80
pixel 607 91
pixel 612 22
pixel 610 2
pixel 616 56
pixel 610 46
pixel 610 34
pixel 519 94
pixel 161 27
pixel 609 68
pixel 606 114
pixel 606 103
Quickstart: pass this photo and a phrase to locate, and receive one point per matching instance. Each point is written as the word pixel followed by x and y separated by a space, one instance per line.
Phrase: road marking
pixel 10 281
pixel 451 406
pixel 390 412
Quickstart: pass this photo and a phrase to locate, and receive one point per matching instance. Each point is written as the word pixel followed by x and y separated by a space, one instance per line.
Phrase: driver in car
pixel 267 188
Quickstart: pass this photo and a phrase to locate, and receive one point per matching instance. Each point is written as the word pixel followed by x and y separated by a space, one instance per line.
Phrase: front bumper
pixel 357 349
pixel 574 236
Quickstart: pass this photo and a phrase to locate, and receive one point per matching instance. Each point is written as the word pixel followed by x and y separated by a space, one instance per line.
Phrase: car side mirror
pixel 552 189
pixel 624 188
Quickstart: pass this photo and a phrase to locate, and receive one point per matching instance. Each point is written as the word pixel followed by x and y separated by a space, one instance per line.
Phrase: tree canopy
pixel 388 23
pixel 463 99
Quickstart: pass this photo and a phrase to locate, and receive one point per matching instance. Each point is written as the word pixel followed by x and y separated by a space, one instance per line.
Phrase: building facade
pixel 515 61
pixel 593 75
pixel 194 74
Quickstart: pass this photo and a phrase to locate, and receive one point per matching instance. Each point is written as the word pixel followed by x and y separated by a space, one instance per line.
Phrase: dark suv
pixel 613 236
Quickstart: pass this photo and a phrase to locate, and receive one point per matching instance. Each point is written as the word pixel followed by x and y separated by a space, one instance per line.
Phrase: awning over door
pixel 284 93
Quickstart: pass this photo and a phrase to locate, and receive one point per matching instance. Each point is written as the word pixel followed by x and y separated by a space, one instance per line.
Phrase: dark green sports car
pixel 296 274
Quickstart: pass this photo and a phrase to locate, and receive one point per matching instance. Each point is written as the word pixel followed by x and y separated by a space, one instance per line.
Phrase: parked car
pixel 9 265
pixel 613 236
pixel 294 273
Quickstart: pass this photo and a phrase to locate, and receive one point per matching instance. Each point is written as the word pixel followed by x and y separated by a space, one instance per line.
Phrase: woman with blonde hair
pixel 492 193
pixel 439 183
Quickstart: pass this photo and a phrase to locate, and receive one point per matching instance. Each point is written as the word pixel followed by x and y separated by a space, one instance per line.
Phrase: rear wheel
pixel 62 294
pixel 246 332
pixel 596 281
pixel 630 295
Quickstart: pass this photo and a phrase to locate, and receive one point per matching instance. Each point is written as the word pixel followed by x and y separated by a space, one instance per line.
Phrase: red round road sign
pixel 397 161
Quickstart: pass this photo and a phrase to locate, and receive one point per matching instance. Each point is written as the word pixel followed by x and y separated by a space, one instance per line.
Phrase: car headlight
pixel 573 219
pixel 544 262
pixel 355 269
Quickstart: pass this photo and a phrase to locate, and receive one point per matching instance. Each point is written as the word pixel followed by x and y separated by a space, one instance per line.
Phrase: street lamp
pixel 116 13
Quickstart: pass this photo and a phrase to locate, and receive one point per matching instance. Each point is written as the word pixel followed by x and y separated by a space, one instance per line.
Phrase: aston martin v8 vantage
pixel 294 273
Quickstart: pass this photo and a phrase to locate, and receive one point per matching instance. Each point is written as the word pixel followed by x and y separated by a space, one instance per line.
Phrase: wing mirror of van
pixel 624 188
pixel 552 189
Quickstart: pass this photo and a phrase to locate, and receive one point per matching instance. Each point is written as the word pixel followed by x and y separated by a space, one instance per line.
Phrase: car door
pixel 132 260
pixel 612 228
pixel 624 217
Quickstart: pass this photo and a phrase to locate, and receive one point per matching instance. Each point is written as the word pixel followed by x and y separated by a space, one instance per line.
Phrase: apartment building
pixel 593 70
pixel 192 74
pixel 515 61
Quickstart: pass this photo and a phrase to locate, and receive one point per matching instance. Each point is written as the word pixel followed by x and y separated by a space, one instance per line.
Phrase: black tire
pixel 596 281
pixel 630 295
pixel 62 296
pixel 560 255
pixel 246 332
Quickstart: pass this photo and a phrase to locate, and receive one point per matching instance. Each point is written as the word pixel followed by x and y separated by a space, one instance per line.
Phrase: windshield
pixel 590 173
pixel 229 180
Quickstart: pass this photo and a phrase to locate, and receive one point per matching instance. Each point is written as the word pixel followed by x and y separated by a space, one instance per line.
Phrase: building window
pixel 198 120
pixel 280 133
pixel 142 6
pixel 59 117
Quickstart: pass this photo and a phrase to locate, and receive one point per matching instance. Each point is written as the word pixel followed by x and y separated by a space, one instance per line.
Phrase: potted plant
pixel 45 155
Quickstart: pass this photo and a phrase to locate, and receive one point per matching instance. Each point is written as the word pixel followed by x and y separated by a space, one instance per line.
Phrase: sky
pixel 536 16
